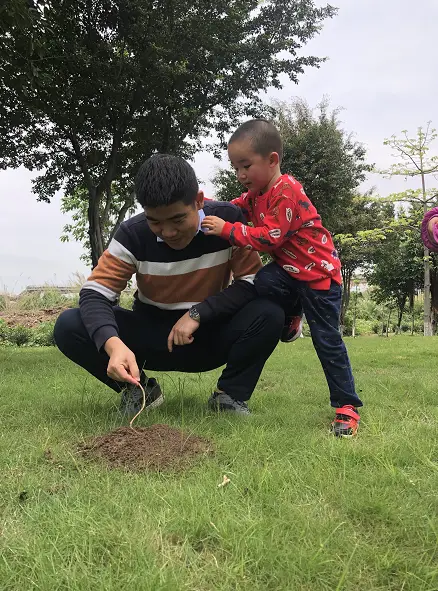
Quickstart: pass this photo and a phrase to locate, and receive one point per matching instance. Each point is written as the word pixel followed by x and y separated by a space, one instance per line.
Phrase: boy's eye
pixel 247 166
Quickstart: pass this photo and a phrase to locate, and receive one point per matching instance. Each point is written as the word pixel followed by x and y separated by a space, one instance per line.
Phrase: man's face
pixel 176 224
pixel 253 170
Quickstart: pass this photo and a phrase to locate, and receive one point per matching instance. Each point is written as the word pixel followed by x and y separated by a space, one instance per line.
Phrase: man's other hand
pixel 182 332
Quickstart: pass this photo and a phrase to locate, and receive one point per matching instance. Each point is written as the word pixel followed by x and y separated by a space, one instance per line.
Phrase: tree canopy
pixel 326 159
pixel 90 88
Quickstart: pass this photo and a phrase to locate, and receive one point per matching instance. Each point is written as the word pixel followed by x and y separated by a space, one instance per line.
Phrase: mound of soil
pixel 158 447
pixel 30 318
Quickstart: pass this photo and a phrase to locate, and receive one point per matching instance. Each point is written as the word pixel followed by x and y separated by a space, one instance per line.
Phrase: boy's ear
pixel 200 200
pixel 274 159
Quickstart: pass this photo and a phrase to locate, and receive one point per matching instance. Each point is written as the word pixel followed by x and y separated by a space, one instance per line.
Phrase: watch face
pixel 194 314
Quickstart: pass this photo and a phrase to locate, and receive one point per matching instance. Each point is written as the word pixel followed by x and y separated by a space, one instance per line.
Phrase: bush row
pixel 40 336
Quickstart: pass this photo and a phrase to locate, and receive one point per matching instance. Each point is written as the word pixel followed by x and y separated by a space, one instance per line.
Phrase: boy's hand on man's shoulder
pixel 213 225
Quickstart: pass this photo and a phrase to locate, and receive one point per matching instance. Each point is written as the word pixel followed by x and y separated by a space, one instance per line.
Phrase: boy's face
pixel 176 224
pixel 253 170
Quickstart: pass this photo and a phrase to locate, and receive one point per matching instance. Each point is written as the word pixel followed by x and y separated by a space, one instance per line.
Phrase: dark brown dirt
pixel 30 318
pixel 157 448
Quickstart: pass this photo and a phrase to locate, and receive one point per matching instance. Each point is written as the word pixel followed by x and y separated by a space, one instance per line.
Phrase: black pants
pixel 243 342
pixel 322 309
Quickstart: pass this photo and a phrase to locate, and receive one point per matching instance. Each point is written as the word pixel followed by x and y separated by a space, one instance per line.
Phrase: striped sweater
pixel 169 280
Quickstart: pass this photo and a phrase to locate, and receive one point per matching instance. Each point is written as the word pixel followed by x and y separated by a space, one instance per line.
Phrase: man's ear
pixel 200 200
pixel 274 159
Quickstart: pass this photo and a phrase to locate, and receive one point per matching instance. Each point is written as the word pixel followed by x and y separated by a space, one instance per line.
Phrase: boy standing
pixel 307 267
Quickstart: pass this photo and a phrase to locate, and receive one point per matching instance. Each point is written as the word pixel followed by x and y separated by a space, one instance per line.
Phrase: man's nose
pixel 168 233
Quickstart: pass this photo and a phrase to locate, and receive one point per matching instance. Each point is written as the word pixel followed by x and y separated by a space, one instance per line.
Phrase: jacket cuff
pixel 205 312
pixel 226 230
pixel 102 334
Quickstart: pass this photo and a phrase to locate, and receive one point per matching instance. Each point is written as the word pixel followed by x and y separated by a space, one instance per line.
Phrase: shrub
pixel 19 335
pixel 47 299
pixel 364 327
pixel 42 335
pixel 4 331
pixel 376 328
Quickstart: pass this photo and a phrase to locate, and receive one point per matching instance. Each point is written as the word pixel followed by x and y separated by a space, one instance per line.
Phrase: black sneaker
pixel 132 397
pixel 220 401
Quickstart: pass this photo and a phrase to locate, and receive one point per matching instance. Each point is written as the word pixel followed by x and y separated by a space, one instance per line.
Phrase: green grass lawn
pixel 303 511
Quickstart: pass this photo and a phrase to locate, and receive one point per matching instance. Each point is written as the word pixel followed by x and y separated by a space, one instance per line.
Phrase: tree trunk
pixel 129 203
pixel 401 309
pixel 94 228
pixel 427 302
pixel 399 320
pixel 388 321
pixel 346 284
pixel 353 330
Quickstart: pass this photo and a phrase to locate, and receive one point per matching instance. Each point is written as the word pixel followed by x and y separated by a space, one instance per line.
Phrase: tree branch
pixel 81 160
pixel 400 149
pixel 107 206
pixel 123 211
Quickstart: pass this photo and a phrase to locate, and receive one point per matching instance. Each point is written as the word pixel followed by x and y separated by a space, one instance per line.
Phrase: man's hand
pixel 430 227
pixel 182 332
pixel 122 365
pixel 213 225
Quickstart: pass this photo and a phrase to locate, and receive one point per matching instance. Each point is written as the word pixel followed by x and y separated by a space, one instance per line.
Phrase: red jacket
pixel 288 227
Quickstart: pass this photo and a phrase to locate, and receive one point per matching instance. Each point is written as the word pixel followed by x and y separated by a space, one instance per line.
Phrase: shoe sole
pixel 217 408
pixel 156 403
pixel 295 337
pixel 344 435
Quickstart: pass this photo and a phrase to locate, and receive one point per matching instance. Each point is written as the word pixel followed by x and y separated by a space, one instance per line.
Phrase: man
pixel 186 315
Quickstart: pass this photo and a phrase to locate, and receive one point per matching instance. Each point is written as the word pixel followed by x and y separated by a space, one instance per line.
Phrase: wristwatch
pixel 194 314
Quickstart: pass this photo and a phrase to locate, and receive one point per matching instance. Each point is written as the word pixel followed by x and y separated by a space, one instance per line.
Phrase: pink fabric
pixel 430 243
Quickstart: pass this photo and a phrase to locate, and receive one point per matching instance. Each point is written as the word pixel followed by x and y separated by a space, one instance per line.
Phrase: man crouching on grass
pixel 186 316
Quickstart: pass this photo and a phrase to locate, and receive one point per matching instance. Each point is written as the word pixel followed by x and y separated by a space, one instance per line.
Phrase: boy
pixel 306 267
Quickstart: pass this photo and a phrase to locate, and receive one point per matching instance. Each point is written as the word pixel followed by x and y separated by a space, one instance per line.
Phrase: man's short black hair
pixel 164 179
pixel 264 136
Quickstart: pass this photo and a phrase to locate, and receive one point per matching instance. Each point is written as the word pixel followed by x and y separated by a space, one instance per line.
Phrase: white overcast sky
pixel 381 70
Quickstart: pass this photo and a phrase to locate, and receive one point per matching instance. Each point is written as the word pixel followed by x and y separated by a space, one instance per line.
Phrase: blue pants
pixel 322 310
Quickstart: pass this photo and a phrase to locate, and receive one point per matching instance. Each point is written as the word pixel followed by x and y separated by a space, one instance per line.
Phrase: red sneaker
pixel 346 421
pixel 292 330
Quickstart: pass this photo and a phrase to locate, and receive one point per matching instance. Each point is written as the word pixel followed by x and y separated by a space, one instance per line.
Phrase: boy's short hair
pixel 264 136
pixel 163 180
